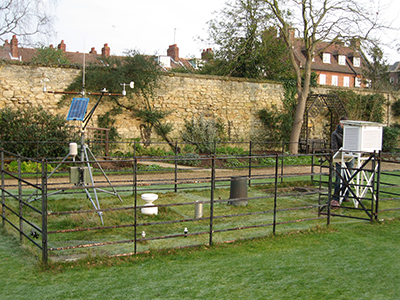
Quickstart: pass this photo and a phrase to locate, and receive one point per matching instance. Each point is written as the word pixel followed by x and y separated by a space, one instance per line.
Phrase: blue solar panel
pixel 77 110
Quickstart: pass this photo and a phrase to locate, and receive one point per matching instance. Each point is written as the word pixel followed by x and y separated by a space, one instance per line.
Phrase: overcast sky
pixel 149 26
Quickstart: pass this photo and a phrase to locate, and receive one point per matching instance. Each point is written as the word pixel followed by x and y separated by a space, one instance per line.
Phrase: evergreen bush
pixel 203 133
pixel 34 132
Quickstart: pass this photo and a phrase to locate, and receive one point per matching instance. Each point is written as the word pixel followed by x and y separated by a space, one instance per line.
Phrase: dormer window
pixel 342 60
pixel 164 61
pixel 326 58
pixel 356 62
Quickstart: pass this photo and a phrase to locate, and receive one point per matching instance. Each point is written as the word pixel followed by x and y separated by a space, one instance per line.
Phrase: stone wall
pixel 235 100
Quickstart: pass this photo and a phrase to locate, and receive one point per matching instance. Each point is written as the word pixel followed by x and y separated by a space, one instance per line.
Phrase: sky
pixel 150 26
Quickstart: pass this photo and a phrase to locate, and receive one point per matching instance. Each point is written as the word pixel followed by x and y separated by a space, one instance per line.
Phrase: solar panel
pixel 77 110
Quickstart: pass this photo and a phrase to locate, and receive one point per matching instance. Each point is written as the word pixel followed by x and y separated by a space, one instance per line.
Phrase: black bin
pixel 238 191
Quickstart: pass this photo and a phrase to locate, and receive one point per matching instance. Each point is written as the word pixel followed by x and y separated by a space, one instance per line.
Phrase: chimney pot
pixel 93 51
pixel 173 52
pixel 105 51
pixel 62 46
pixel 14 46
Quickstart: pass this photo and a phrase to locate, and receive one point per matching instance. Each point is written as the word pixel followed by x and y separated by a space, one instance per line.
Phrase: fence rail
pixel 195 207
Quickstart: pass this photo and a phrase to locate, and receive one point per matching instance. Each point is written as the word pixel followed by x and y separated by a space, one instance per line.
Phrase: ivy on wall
pixel 114 71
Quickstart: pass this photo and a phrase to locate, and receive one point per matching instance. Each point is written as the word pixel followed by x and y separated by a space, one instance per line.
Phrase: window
pixel 335 80
pixel 357 82
pixel 326 58
pixel 322 79
pixel 346 81
pixel 356 61
pixel 164 61
pixel 342 60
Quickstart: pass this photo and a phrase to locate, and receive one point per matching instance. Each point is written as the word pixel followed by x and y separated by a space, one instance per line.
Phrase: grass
pixel 353 260
pixel 262 202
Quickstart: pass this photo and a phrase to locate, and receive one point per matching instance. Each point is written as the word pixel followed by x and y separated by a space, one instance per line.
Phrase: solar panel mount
pixel 77 110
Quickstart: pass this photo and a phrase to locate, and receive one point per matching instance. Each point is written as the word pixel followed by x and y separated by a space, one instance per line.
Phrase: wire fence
pixel 69 207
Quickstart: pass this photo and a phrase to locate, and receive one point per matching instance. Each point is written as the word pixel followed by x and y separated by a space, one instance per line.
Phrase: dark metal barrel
pixel 238 191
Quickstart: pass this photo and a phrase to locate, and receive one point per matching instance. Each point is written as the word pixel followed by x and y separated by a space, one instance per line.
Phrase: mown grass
pixel 355 260
pixel 261 201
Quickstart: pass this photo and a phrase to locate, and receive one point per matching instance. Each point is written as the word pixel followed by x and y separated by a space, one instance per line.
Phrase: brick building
pixel 12 51
pixel 335 64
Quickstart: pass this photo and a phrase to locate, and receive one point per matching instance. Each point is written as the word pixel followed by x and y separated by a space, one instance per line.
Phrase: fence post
pixel 44 213
pixel 212 199
pixel 331 172
pixel 176 167
pixel 250 146
pixel 21 222
pixel 276 191
pixel 3 213
pixel 312 164
pixel 107 141
pixel 135 198
pixel 378 187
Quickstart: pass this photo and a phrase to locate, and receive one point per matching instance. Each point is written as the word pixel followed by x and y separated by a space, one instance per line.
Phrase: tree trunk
pixel 303 89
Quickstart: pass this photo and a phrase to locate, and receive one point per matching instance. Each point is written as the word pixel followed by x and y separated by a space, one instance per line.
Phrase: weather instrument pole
pixel 82 176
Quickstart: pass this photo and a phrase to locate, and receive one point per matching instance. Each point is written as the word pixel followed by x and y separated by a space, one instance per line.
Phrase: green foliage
pixel 230 150
pixel 278 123
pixel 363 107
pixel 150 151
pixel 47 55
pixel 141 69
pixel 114 71
pixel 189 159
pixel 25 127
pixel 377 70
pixel 107 121
pixel 395 108
pixel 235 163
pixel 244 46
pixel 203 133
pixel 390 138
pixel 28 167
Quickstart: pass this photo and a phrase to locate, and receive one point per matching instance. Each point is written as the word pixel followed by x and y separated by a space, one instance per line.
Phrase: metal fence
pixel 66 207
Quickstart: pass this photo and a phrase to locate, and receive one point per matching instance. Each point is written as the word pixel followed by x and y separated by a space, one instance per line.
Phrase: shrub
pixel 189 159
pixel 28 167
pixel 22 129
pixel 390 137
pixel 203 133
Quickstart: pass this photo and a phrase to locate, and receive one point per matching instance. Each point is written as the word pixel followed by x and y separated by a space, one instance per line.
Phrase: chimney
pixel 173 52
pixel 51 46
pixel 105 51
pixel 207 54
pixel 14 47
pixel 6 44
pixel 93 51
pixel 62 46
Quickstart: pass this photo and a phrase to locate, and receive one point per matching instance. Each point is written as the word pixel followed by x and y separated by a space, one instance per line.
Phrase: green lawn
pixel 348 260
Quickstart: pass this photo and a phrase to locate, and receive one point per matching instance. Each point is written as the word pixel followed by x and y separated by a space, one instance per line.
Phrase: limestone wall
pixel 235 100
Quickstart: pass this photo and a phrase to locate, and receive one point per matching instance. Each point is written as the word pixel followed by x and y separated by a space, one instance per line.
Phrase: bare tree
pixel 320 21
pixel 25 18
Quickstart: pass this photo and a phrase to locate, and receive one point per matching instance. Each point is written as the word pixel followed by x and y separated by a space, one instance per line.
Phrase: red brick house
pixel 335 64
pixel 11 51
